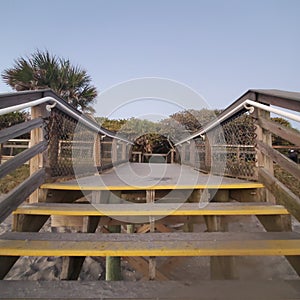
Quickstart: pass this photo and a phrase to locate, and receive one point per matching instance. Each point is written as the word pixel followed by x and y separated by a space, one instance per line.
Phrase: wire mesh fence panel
pixel 106 150
pixel 239 135
pixel 71 146
pixel 200 155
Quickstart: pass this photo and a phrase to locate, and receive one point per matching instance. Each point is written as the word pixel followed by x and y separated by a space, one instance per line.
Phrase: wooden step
pixel 150 209
pixel 195 290
pixel 151 244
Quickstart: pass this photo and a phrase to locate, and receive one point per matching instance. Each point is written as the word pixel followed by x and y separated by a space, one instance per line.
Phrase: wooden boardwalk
pixel 137 176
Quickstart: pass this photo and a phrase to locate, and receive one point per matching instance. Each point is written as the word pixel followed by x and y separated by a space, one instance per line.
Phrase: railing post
pixel 37 135
pixel 97 150
pixel 124 151
pixel 114 152
pixel 263 161
pixel 207 154
pixel 192 153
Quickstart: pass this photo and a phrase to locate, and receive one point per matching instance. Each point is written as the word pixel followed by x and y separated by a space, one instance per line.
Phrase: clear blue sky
pixel 219 48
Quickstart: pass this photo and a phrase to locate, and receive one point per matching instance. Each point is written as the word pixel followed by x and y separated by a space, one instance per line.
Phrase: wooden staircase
pixel 220 246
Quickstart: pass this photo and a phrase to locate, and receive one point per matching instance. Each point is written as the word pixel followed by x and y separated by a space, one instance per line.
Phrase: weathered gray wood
pixel 279 158
pixel 113 263
pixel 29 223
pixel 280 99
pixel 221 267
pixel 280 130
pixel 11 99
pixel 71 267
pixel 18 195
pixel 6 263
pixel 165 290
pixel 21 158
pixel 281 224
pixel 19 129
pixel 283 195
pixel 150 198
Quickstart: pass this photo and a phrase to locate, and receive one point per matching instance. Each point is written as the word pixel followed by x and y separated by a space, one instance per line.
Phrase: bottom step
pixel 150 290
pixel 150 244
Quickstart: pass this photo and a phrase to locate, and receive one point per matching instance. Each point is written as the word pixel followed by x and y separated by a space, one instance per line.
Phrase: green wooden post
pixel 113 263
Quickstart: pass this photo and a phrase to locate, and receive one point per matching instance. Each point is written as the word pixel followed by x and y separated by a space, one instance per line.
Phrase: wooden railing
pixel 57 131
pixel 14 198
pixel 262 156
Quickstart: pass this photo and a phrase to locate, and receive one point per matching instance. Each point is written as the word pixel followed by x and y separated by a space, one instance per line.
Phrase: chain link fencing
pixel 232 142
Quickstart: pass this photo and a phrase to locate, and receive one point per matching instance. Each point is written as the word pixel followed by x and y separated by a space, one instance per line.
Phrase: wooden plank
pixel 165 290
pixel 148 209
pixel 279 158
pixel 171 263
pixel 264 160
pixel 19 194
pixel 37 136
pixel 71 267
pixel 151 244
pixel 279 100
pixel 221 267
pixel 21 158
pixel 141 265
pixel 178 177
pixel 11 99
pixel 76 187
pixel 281 224
pixel 150 198
pixel 19 129
pixel 283 195
pixel 280 130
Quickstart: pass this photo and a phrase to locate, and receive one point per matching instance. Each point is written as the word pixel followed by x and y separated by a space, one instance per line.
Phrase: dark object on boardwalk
pixel 293 155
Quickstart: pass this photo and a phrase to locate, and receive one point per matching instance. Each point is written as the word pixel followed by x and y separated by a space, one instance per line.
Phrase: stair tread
pixel 217 289
pixel 147 209
pixel 151 244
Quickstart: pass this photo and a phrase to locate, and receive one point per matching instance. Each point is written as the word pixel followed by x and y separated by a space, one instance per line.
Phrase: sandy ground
pixel 191 268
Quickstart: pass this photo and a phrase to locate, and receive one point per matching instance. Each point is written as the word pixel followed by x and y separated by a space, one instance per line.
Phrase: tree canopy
pixel 44 70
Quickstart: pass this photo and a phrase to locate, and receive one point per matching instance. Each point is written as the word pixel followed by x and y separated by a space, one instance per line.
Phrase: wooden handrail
pixel 283 195
pixel 21 158
pixel 19 129
pixel 280 130
pixel 280 159
pixel 19 194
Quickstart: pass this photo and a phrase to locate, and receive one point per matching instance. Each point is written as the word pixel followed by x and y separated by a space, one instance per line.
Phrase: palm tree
pixel 43 70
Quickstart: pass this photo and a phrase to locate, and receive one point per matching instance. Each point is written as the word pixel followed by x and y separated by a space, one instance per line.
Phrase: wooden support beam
pixel 150 198
pixel 72 265
pixel 284 132
pixel 141 265
pixel 263 160
pixel 221 267
pixel 170 263
pixel 36 138
pixel 281 223
pixel 113 263
pixel 283 195
pixel 280 159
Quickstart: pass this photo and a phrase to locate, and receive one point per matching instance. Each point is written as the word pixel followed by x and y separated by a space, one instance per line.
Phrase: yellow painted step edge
pixel 207 248
pixel 61 186
pixel 178 212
